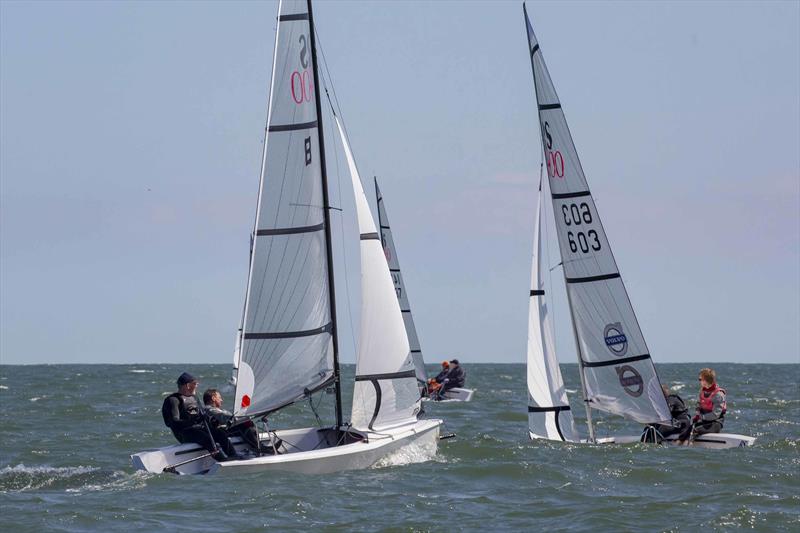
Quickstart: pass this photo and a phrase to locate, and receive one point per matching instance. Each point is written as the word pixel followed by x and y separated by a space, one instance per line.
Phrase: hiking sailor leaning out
pixel 681 422
pixel 220 418
pixel 434 384
pixel 456 377
pixel 711 405
pixel 183 415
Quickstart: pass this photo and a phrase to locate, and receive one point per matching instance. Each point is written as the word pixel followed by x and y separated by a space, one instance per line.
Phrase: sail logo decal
pixel 555 161
pixel 302 84
pixel 631 380
pixel 615 339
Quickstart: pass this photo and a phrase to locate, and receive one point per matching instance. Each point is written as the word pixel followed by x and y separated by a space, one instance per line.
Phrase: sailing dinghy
pixel 456 393
pixel 616 370
pixel 287 346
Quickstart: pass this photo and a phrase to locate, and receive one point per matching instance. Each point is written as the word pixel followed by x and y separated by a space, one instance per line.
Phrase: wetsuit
pixel 182 415
pixel 681 423
pixel 455 378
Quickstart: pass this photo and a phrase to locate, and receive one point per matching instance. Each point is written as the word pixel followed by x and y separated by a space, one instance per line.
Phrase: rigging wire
pixel 338 185
pixel 552 298
pixel 341 120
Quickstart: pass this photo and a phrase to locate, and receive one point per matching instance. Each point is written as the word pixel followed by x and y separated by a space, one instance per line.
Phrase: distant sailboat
pixel 454 394
pixel 616 369
pixel 287 347
pixel 387 240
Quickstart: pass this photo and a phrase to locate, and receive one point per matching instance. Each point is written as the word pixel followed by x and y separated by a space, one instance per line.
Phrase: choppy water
pixel 67 432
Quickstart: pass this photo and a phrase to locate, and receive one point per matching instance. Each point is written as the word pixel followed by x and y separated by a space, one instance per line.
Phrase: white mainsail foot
pixel 389 250
pixel 549 414
pixel 616 370
pixel 287 349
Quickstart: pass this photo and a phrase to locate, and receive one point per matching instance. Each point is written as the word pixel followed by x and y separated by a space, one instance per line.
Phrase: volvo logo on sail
pixel 616 341
pixel 631 380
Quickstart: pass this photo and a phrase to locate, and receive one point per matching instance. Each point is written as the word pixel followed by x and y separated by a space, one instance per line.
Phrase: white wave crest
pixel 418 451
pixel 21 478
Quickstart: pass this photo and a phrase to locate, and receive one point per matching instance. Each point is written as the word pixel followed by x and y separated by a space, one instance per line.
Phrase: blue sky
pixel 130 143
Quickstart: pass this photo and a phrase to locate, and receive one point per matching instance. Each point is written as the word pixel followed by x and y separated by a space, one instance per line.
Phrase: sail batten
pixel 617 372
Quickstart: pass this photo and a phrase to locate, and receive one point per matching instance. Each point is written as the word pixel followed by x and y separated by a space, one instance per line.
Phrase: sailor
pixel 220 418
pixel 183 415
pixel 681 422
pixel 456 377
pixel 711 405
pixel 435 383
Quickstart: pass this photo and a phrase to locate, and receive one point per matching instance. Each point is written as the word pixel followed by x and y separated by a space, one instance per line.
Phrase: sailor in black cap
pixel 183 415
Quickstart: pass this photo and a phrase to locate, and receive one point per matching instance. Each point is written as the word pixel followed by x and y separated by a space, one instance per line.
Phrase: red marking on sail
pixel 245 401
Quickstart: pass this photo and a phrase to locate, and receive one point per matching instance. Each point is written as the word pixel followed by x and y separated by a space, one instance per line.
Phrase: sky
pixel 130 145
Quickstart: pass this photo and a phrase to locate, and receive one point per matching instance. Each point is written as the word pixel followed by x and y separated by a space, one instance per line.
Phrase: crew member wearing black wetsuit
pixel 681 423
pixel 182 414
pixel 456 377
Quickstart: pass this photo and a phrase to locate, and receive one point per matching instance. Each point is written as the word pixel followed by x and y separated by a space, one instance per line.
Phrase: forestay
pixel 549 414
pixel 387 240
pixel 619 376
pixel 286 349
pixel 385 392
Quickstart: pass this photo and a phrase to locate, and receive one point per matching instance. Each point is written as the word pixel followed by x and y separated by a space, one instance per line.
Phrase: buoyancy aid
pixel 189 410
pixel 706 399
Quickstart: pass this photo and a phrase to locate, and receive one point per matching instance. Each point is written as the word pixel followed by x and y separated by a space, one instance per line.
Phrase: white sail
pixel 387 240
pixel 549 414
pixel 618 373
pixel 386 392
pixel 286 346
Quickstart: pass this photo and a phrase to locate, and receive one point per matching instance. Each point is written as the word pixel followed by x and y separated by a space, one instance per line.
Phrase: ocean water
pixel 68 430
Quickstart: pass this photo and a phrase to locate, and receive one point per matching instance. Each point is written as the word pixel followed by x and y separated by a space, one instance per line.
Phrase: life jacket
pixel 706 399
pixel 186 413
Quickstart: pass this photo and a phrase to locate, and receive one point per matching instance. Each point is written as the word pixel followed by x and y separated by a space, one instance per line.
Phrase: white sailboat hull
pixel 305 451
pixel 455 394
pixel 712 441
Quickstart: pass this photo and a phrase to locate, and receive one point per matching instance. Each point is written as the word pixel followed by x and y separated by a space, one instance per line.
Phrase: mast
pixel 327 209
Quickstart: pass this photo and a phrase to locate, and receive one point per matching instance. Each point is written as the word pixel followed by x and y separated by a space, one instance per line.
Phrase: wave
pixel 419 451
pixel 22 478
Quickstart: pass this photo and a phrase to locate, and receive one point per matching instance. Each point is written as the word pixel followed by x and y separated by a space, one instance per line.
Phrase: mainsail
pixel 287 347
pixel 386 392
pixel 549 414
pixel 617 372
pixel 387 240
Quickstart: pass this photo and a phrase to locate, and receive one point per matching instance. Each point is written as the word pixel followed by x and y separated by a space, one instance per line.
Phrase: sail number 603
pixel 576 215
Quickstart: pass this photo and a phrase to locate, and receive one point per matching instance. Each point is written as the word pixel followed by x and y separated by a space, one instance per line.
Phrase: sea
pixel 68 432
